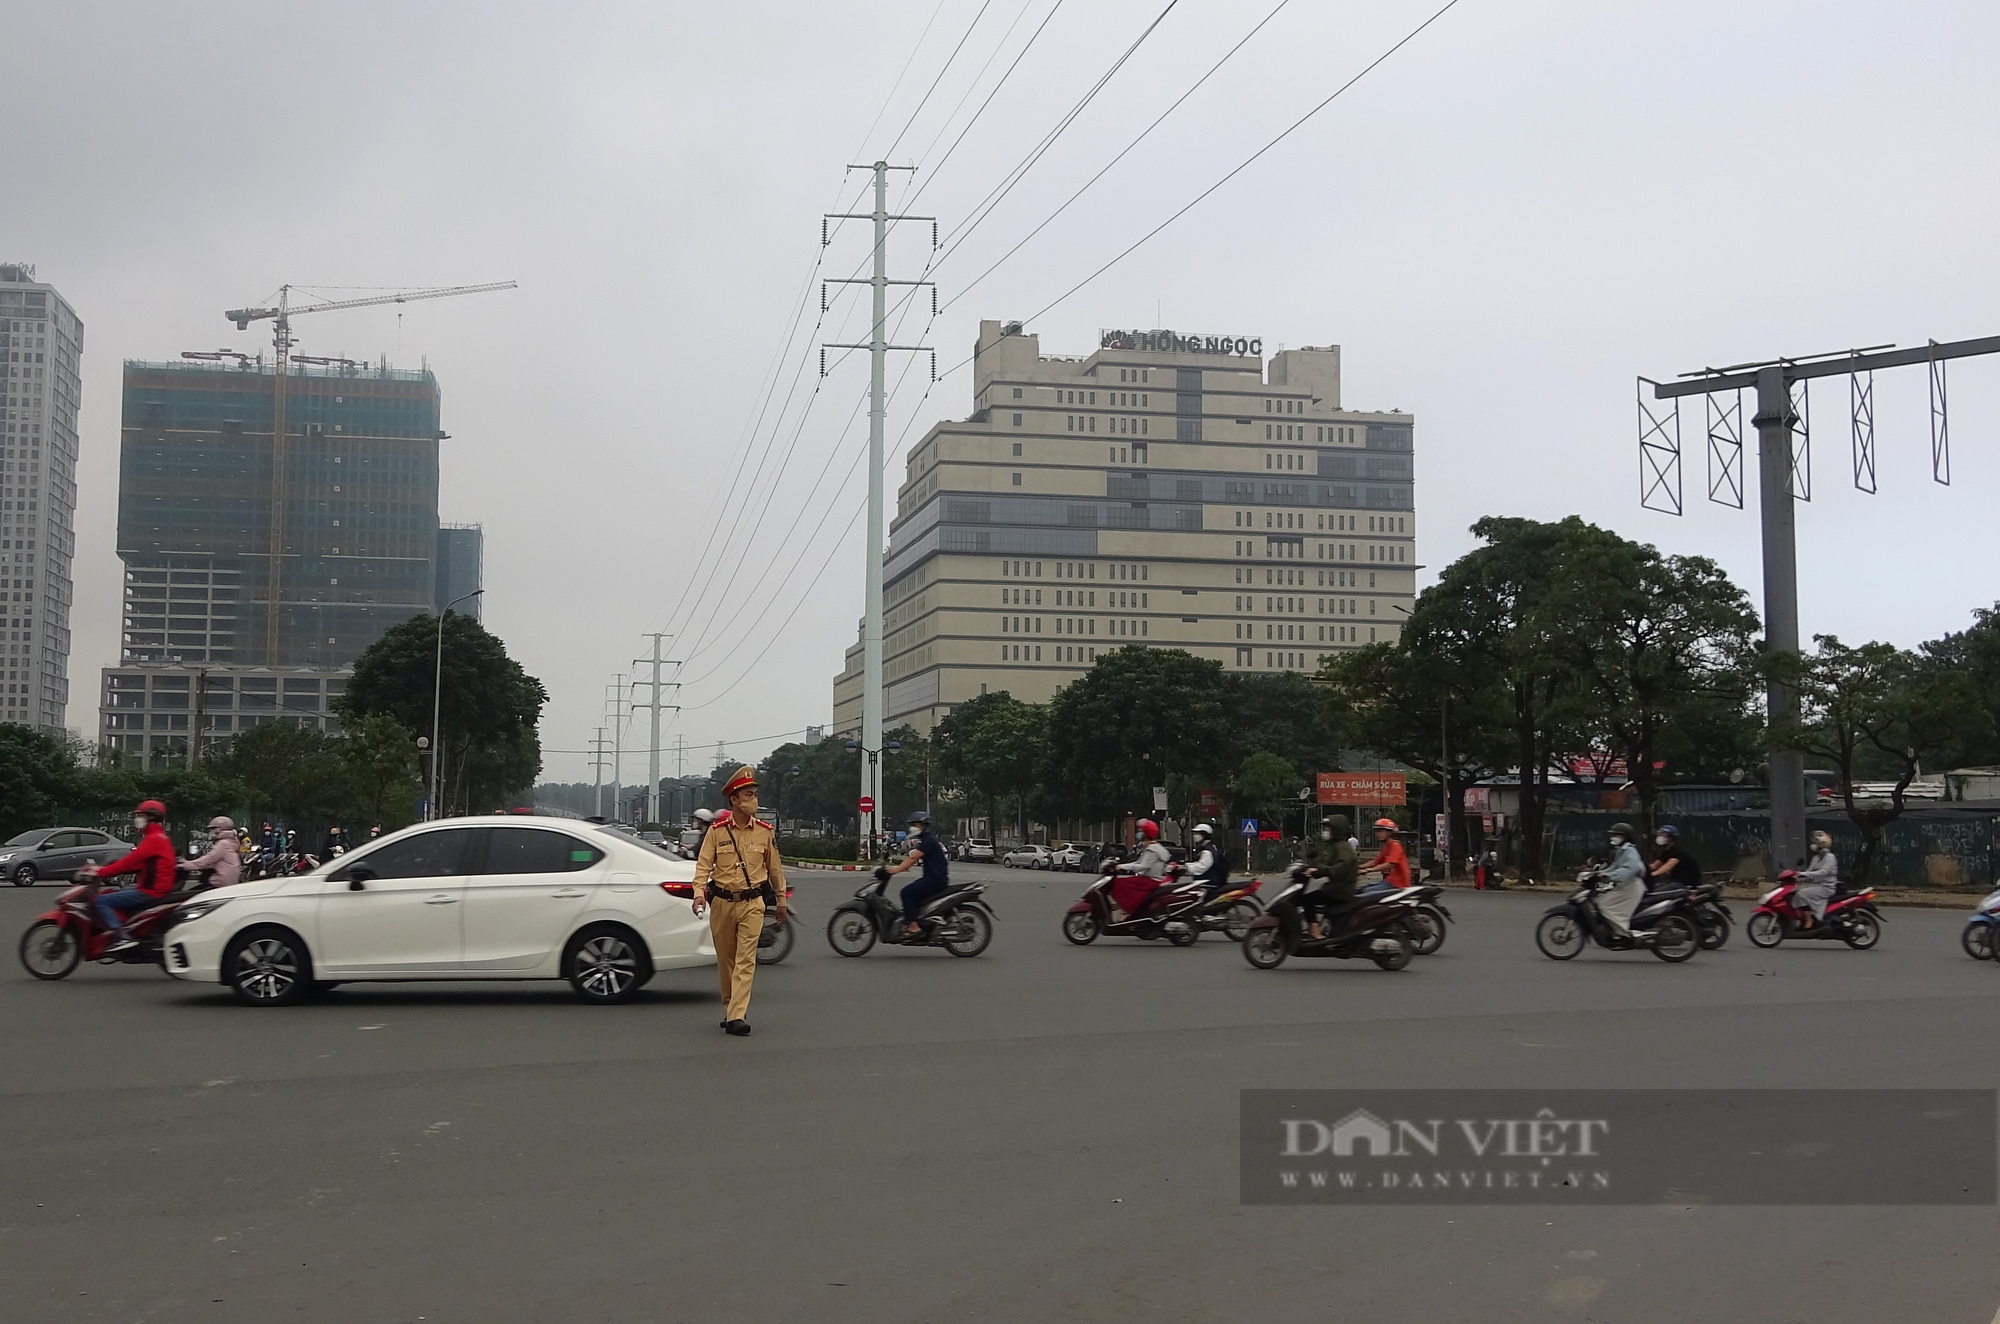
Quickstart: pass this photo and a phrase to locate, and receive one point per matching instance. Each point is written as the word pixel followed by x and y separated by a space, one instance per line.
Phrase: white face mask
pixel 1659 841
pixel 138 825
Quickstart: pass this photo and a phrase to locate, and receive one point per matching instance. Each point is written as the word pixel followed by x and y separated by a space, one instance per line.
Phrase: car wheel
pixel 268 968
pixel 50 950
pixel 606 964
pixel 25 876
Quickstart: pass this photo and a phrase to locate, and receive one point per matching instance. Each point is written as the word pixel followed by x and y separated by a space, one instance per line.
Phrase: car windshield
pixel 28 838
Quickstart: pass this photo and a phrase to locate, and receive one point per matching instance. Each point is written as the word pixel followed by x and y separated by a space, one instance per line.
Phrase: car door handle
pixel 441 899
pixel 568 892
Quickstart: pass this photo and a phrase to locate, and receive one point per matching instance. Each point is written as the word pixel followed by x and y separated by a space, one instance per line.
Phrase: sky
pixel 1504 224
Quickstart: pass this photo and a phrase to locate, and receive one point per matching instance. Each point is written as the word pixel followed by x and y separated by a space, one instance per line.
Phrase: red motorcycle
pixel 1171 911
pixel 1851 916
pixel 70 932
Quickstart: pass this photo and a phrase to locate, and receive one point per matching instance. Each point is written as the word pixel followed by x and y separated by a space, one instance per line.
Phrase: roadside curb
pixel 814 864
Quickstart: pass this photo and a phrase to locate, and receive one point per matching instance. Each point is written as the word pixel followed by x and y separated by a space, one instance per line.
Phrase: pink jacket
pixel 225 857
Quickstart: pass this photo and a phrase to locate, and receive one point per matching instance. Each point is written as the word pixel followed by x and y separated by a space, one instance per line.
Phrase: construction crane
pixel 281 320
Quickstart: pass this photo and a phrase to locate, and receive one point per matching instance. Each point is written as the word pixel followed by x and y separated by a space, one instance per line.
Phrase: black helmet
pixel 1622 830
pixel 918 818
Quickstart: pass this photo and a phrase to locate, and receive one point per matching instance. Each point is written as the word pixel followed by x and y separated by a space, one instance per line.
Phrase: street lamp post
pixel 437 698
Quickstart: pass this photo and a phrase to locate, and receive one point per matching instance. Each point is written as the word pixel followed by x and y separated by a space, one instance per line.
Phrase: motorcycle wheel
pixel 971 930
pixel 1714 932
pixel 1406 947
pixel 850 933
pixel 1765 929
pixel 781 945
pixel 1182 934
pixel 1080 928
pixel 1265 947
pixel 1863 931
pixel 1429 928
pixel 1977 941
pixel 1560 937
pixel 25 876
pixel 50 950
pixel 1674 939
pixel 1236 921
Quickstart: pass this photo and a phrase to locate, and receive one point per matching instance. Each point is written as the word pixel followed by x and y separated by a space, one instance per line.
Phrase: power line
pixel 988 4
pixel 1122 154
pixel 1033 37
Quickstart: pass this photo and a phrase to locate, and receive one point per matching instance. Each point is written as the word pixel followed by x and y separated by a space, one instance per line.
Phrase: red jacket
pixel 152 860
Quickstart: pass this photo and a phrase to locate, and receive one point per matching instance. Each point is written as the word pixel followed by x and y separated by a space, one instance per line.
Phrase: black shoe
pixel 737 1027
pixel 724 1024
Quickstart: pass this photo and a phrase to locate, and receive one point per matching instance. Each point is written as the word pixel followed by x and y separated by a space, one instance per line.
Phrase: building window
pixel 1017 477
pixel 1017 448
pixel 1017 393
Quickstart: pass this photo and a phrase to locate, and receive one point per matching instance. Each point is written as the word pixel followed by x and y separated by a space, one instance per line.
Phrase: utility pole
pixel 653 758
pixel 597 762
pixel 1784 473
pixel 617 744
pixel 878 347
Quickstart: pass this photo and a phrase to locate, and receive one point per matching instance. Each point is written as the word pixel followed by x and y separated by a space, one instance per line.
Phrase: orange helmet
pixel 1389 823
pixel 1149 829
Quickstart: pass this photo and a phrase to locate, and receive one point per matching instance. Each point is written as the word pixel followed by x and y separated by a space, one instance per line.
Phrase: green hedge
pixel 819 848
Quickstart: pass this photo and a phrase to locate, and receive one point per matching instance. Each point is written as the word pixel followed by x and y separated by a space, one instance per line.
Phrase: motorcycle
pixel 1977 938
pixel 70 932
pixel 774 944
pixel 1851 917
pixel 1429 918
pixel 1232 910
pixel 1380 927
pixel 1712 917
pixel 956 919
pixel 1661 924
pixel 1170 911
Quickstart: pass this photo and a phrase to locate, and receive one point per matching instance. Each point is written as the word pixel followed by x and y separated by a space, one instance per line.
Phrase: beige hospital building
pixel 1168 490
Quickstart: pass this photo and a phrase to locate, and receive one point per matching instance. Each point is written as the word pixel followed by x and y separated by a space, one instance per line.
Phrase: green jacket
pixel 1340 867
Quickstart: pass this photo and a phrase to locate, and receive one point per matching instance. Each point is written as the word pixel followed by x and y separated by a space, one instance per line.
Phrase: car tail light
pixel 685 891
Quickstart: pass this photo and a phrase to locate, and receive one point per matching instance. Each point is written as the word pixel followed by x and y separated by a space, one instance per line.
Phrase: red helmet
pixel 1389 823
pixel 1149 829
pixel 153 807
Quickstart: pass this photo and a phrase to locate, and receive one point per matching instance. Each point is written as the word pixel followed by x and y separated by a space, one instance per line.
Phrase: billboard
pixel 1362 788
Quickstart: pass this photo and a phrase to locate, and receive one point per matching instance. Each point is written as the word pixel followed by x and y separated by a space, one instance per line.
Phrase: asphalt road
pixel 1041 1133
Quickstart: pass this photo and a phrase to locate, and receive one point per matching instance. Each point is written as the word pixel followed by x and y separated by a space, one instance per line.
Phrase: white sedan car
pixel 479 898
pixel 1026 857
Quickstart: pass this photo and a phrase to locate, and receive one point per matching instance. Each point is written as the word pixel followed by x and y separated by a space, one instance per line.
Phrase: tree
pixel 1281 712
pixel 39 777
pixel 1974 655
pixel 489 749
pixel 287 771
pixel 1490 610
pixel 1266 783
pixel 1656 643
pixel 1874 708
pixel 1137 716
pixel 379 756
pixel 993 746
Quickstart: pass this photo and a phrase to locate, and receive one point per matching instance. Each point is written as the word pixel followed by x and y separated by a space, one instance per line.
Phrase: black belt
pixel 748 894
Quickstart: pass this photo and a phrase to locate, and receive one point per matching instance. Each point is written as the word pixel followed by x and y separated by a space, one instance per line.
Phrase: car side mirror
pixel 357 876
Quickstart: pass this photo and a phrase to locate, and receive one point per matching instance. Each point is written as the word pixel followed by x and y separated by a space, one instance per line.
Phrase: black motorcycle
pixel 1429 918
pixel 1378 927
pixel 1711 915
pixel 1663 924
pixel 956 919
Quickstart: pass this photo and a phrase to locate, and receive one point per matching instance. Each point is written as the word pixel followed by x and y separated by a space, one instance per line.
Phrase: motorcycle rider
pixel 152 860
pixel 224 856
pixel 924 847
pixel 1820 878
pixel 1340 874
pixel 1208 864
pixel 1673 863
pixel 1626 873
pixel 1146 871
pixel 1391 862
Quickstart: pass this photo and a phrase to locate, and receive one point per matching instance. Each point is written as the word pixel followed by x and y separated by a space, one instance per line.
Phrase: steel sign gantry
pixel 1784 476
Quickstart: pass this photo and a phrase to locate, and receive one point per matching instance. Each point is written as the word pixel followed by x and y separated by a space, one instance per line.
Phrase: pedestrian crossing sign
pixel 1249 827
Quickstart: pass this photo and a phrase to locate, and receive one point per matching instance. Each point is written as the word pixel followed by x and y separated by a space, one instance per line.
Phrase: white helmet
pixel 704 816
pixel 1203 830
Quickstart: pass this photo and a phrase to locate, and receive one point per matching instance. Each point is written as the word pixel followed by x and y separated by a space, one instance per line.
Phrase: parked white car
pixel 1027 857
pixel 979 848
pixel 1067 856
pixel 467 898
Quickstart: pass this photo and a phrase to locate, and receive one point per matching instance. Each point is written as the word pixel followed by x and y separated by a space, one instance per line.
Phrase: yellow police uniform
pixel 737 867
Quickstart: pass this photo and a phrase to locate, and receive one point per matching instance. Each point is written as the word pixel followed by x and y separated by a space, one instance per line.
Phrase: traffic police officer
pixel 736 874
